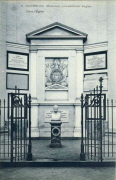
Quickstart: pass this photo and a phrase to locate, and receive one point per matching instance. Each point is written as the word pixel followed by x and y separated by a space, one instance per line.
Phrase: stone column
pixel 79 90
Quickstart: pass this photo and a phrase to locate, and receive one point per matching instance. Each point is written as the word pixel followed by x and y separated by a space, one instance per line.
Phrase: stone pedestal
pixel 55 134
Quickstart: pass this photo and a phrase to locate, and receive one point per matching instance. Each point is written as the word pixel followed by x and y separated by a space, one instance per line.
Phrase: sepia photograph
pixel 57 90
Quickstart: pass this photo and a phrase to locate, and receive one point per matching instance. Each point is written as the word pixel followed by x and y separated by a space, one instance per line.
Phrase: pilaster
pixel 33 83
pixel 79 90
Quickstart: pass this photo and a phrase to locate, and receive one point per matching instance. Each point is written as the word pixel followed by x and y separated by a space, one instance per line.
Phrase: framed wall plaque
pixel 19 80
pixel 17 61
pixel 95 61
pixel 92 80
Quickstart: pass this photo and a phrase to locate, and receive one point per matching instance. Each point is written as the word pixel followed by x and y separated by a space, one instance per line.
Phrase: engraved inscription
pixel 64 116
pixel 17 61
pixel 96 61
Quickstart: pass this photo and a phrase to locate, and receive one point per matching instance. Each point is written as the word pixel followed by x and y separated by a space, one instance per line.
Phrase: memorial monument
pixel 55 67
pixel 56 128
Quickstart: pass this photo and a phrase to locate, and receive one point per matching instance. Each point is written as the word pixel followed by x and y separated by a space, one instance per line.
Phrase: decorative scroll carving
pixel 56 73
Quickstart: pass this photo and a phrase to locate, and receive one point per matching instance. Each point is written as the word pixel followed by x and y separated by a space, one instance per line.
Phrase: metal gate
pixel 15 128
pixel 97 126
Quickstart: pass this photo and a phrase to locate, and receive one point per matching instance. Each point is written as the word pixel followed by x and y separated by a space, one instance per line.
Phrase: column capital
pixel 79 50
pixel 32 51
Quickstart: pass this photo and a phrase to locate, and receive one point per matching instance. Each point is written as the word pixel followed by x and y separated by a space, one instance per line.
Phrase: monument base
pixel 55 145
pixel 55 134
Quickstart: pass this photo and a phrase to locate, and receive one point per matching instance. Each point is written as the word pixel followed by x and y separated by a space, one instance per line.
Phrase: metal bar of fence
pixel 87 123
pixel 103 138
pixel 97 126
pixel 24 137
pixel 85 129
pixel 26 131
pixel 108 123
pixel 112 125
pixel 29 154
pixel 91 128
pixel 15 132
pixel 27 126
pixel 18 129
pixel 18 132
pixel 12 112
pixel 8 126
pixel 25 103
pixel 21 129
pixel 88 136
pixel 82 145
pixel 100 117
pixel 4 127
pixel 104 133
pixel 94 131
pixel 0 127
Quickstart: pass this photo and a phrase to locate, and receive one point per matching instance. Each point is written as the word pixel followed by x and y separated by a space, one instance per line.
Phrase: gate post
pixel 100 116
pixel 82 154
pixel 29 154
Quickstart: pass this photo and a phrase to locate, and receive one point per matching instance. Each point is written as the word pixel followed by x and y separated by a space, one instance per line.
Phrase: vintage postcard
pixel 57 89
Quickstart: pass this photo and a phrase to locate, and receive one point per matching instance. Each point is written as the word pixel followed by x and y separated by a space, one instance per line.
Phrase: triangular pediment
pixel 56 30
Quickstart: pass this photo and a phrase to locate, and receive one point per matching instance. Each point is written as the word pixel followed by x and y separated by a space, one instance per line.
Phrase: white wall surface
pixel 96 18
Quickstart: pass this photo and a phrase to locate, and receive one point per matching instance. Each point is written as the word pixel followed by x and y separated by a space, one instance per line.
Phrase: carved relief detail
pixel 56 73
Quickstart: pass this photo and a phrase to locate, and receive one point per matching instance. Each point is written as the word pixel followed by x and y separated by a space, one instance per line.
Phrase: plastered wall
pixel 97 19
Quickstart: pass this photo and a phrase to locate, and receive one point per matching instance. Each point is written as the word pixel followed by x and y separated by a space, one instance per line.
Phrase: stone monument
pixel 56 128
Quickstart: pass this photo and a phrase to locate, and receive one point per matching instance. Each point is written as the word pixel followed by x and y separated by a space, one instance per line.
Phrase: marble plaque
pixel 64 116
pixel 92 80
pixel 17 61
pixel 95 61
pixel 19 80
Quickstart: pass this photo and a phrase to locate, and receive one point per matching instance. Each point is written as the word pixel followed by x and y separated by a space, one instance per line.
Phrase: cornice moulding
pixel 17 45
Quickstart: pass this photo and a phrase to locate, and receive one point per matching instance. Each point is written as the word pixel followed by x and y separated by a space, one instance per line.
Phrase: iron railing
pixel 98 127
pixel 15 128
